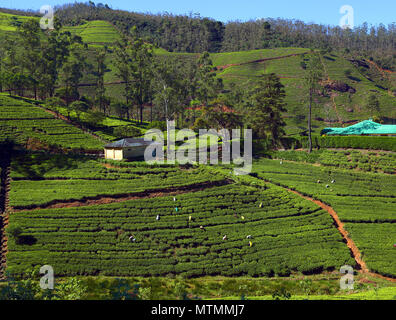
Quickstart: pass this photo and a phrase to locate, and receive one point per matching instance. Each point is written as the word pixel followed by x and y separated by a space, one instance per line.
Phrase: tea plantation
pixel 364 201
pixel 268 232
pixel 21 121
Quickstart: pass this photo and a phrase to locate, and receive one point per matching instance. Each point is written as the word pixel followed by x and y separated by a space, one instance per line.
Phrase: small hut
pixel 128 148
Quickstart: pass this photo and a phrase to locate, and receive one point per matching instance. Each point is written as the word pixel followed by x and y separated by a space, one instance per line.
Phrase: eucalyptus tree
pixel 313 76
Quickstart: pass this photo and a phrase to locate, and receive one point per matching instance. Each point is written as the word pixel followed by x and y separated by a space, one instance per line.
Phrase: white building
pixel 128 148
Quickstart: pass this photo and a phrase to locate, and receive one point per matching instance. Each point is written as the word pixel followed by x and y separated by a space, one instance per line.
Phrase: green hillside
pixel 244 67
pixel 27 124
pixel 95 32
pixel 338 106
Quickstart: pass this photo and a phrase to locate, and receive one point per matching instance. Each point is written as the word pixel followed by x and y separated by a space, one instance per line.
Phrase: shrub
pixel 14 231
pixel 160 125
pixel 126 132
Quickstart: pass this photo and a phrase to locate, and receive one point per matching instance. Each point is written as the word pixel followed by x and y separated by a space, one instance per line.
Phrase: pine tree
pixel 266 104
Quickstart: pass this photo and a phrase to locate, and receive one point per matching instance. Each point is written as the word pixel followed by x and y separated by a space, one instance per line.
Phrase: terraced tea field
pixel 359 160
pixel 364 201
pixel 268 231
pixel 72 179
pixel 95 32
pixel 21 121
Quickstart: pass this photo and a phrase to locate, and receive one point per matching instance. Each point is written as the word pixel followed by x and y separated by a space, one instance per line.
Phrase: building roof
pixel 364 127
pixel 129 142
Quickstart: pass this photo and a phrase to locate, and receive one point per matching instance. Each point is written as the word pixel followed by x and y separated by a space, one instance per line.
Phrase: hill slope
pixel 30 125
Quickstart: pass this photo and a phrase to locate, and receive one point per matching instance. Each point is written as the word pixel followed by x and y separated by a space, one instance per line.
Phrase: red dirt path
pixel 350 243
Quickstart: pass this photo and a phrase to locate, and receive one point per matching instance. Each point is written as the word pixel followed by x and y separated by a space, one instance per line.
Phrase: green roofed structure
pixel 366 127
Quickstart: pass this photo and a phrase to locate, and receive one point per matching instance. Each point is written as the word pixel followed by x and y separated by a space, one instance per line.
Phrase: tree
pixel 265 104
pixel 218 116
pixel 71 289
pixel 313 75
pixel 166 86
pixel 100 90
pixel 55 103
pixel 79 107
pixel 126 132
pixel 207 85
pixel 119 108
pixel 134 59
pixel 54 53
pixel 29 34
pixel 73 71
pixel 267 34
pixel 94 118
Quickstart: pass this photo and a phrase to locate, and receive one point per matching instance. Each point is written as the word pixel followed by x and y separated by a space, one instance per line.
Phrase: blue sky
pixel 318 11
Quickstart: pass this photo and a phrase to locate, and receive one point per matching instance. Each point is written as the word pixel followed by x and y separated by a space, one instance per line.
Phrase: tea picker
pixel 158 217
pixel 225 237
pixel 132 239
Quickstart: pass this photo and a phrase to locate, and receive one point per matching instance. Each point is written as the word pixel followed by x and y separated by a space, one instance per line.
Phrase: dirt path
pixel 106 199
pixel 4 211
pixel 340 226
pixel 222 68
pixel 385 73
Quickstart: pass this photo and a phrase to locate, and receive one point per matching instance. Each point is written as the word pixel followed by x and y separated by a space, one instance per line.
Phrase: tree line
pixel 193 33
pixel 52 64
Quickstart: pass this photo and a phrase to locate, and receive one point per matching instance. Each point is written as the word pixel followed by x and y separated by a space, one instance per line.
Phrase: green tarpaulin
pixel 364 127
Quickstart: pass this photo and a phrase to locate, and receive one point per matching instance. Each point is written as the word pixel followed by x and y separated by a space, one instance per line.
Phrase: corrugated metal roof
pixel 364 127
pixel 129 142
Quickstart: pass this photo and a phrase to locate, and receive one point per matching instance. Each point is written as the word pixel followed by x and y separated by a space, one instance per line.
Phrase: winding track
pixel 340 226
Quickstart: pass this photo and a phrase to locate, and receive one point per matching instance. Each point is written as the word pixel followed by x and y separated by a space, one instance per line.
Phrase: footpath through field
pixel 106 199
pixel 340 226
